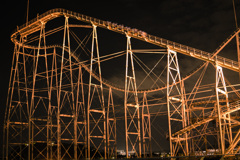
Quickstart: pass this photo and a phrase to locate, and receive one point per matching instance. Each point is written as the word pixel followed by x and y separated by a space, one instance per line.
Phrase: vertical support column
pixel 48 98
pixel 222 144
pixel 111 128
pixel 237 36
pixel 225 124
pixel 80 129
pixel 66 104
pixel 38 99
pixel 96 121
pixel 16 106
pixel 191 121
pixel 146 128
pixel 60 98
pixel 72 95
pixel 238 51
pixel 175 105
pixel 131 106
pixel 51 107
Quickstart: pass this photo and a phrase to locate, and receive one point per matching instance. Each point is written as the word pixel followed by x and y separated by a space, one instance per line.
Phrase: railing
pixel 224 110
pixel 232 107
pixel 140 35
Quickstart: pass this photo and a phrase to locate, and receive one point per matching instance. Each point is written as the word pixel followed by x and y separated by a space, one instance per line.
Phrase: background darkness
pixel 201 24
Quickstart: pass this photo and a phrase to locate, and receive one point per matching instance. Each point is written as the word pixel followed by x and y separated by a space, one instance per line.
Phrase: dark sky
pixel 201 24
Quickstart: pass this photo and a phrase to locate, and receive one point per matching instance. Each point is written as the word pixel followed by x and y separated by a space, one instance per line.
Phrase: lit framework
pixel 61 106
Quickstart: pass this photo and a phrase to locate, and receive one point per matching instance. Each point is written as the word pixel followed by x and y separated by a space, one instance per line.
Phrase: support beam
pixel 224 123
pixel 131 106
pixel 238 51
pixel 111 128
pixel 176 106
pixel 37 126
pixel 146 128
pixel 96 129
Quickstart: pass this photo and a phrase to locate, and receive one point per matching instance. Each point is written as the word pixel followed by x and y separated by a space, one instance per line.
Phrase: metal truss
pixel 224 123
pixel 111 128
pixel 131 106
pixel 60 107
pixel 47 93
pixel 221 111
pixel 17 112
pixel 175 105
pixel 96 116
pixel 66 105
pixel 233 147
pixel 146 128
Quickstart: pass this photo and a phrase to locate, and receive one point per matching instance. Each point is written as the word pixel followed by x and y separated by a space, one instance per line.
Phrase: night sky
pixel 201 24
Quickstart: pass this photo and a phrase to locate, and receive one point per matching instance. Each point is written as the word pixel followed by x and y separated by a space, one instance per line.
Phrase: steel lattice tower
pixel 60 106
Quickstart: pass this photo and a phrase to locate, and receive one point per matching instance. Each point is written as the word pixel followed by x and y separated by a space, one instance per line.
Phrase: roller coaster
pixel 73 92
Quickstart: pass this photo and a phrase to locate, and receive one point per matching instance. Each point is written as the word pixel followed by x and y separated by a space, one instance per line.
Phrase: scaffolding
pixel 60 106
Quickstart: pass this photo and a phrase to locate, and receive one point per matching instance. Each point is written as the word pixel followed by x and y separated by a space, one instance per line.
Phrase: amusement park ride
pixel 61 105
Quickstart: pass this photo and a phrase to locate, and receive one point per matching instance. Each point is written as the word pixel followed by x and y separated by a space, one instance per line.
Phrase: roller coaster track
pixel 233 107
pixel 35 25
